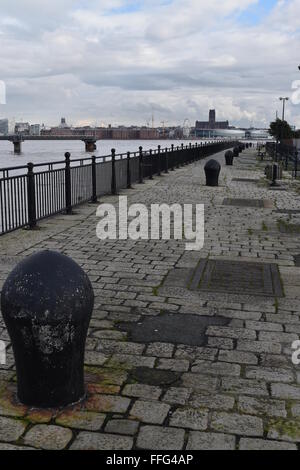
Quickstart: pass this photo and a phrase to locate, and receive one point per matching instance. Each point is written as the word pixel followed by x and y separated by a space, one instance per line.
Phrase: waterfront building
pixel 3 126
pixel 22 128
pixel 63 123
pixel 114 133
pixel 203 128
pixel 35 129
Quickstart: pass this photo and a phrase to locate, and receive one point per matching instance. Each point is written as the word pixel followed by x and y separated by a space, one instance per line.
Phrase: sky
pixel 120 61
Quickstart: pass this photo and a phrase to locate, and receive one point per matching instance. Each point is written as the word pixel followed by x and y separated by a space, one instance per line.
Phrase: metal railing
pixel 33 192
pixel 286 154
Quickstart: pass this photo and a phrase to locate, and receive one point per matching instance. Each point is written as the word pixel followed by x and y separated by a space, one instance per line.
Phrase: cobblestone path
pixel 167 366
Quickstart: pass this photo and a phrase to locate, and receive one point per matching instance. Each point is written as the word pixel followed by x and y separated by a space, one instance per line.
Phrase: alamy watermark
pixel 2 92
pixel 296 353
pixel 162 221
pixel 2 353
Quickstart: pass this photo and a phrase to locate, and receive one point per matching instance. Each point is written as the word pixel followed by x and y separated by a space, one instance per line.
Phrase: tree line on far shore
pixel 281 130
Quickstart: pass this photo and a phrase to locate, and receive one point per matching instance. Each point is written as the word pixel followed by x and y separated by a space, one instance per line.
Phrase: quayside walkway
pixel 174 364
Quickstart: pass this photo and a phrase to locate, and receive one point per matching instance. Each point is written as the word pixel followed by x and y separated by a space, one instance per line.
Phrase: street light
pixel 281 127
pixel 283 105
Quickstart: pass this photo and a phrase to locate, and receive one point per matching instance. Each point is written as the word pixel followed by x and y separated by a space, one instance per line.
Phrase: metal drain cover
pixel 288 211
pixel 237 277
pixel 245 180
pixel 259 203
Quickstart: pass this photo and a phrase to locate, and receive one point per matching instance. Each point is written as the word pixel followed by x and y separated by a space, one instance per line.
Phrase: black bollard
pixel 47 302
pixel 212 170
pixel 229 157
pixel 236 151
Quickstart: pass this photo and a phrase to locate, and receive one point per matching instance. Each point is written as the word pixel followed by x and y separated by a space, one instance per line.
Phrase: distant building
pixel 209 125
pixel 116 133
pixel 35 129
pixel 63 123
pixel 22 128
pixel 4 126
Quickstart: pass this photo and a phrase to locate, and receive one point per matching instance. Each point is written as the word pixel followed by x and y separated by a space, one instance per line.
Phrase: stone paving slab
pixel 234 388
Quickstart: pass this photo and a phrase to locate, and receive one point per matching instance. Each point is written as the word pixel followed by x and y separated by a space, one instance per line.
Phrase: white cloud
pixel 89 60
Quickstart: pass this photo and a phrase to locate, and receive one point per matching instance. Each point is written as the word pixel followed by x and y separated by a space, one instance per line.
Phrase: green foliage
pixel 281 130
pixel 297 134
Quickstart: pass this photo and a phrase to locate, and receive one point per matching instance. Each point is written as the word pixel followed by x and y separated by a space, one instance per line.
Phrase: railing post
pixel 158 161
pixel 151 164
pixel 113 172
pixel 68 184
pixel 186 155
pixel 182 155
pixel 94 180
pixel 296 162
pixel 286 165
pixel 276 151
pixel 199 152
pixel 31 197
pixel 166 161
pixel 177 157
pixel 172 157
pixel 128 171
pixel 141 179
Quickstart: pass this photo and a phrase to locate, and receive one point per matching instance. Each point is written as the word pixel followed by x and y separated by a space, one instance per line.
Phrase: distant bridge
pixel 17 139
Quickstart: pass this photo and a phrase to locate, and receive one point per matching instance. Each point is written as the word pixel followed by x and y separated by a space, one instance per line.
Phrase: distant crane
pixel 164 128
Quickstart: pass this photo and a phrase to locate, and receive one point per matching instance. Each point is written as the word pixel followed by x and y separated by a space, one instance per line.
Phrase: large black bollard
pixel 212 170
pixel 236 151
pixel 229 157
pixel 47 302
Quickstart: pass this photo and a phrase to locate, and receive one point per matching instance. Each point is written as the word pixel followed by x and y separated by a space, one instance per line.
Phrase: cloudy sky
pixel 117 61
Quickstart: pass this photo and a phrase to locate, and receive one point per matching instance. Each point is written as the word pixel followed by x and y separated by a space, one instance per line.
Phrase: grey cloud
pixel 179 59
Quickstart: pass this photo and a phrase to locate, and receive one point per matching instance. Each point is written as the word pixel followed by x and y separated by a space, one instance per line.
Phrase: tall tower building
pixel 212 118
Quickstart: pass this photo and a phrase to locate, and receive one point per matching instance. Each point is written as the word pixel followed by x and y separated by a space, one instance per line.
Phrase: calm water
pixel 45 151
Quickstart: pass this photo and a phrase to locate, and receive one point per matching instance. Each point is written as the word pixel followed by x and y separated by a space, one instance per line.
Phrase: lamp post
pixel 283 105
pixel 283 109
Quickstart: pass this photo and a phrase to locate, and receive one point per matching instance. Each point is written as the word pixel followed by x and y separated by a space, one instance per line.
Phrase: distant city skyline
pixel 121 61
pixel 14 126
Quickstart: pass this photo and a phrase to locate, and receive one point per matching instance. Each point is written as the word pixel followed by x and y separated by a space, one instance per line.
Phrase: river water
pixel 47 151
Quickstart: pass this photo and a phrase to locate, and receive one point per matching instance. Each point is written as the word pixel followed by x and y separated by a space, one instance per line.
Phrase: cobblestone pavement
pixel 233 386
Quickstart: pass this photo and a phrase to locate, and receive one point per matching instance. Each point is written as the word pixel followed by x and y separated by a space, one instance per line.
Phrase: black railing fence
pixel 286 154
pixel 35 191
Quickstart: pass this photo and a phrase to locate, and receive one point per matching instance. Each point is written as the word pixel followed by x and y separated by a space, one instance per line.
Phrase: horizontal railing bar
pixel 83 159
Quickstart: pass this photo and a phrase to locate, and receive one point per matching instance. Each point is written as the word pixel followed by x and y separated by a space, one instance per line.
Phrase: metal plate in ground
pixel 245 180
pixel 288 211
pixel 258 203
pixel 237 277
pixel 172 328
pixel 277 188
